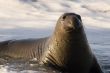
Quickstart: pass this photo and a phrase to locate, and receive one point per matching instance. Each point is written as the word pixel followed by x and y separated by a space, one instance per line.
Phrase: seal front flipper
pixel 95 67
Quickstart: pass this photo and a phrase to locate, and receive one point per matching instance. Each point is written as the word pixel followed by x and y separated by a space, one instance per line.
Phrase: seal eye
pixel 64 17
pixel 79 17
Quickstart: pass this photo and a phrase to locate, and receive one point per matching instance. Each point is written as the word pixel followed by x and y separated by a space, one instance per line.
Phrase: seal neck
pixel 63 47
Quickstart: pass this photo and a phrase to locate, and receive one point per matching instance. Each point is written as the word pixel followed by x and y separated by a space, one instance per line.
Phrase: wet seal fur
pixel 67 50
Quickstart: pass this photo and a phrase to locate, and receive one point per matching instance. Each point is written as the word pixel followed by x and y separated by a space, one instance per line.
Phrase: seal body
pixel 66 50
pixel 23 49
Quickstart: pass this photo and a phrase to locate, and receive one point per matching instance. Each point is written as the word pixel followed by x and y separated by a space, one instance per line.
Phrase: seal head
pixel 69 22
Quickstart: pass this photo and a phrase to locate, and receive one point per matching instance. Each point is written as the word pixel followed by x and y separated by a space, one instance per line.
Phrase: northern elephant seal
pixel 67 49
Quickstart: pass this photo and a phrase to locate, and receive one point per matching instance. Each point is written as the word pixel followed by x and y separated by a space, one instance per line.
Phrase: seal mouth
pixel 71 21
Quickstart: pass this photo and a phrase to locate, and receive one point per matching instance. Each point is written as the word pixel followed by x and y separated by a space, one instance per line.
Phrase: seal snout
pixel 71 20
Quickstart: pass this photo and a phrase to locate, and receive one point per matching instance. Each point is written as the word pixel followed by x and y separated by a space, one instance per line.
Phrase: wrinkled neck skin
pixel 64 50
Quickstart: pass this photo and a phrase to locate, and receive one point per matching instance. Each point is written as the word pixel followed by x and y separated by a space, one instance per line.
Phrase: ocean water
pixel 21 19
pixel 100 45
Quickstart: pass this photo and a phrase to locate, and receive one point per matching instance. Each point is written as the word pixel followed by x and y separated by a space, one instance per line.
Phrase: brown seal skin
pixel 66 50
